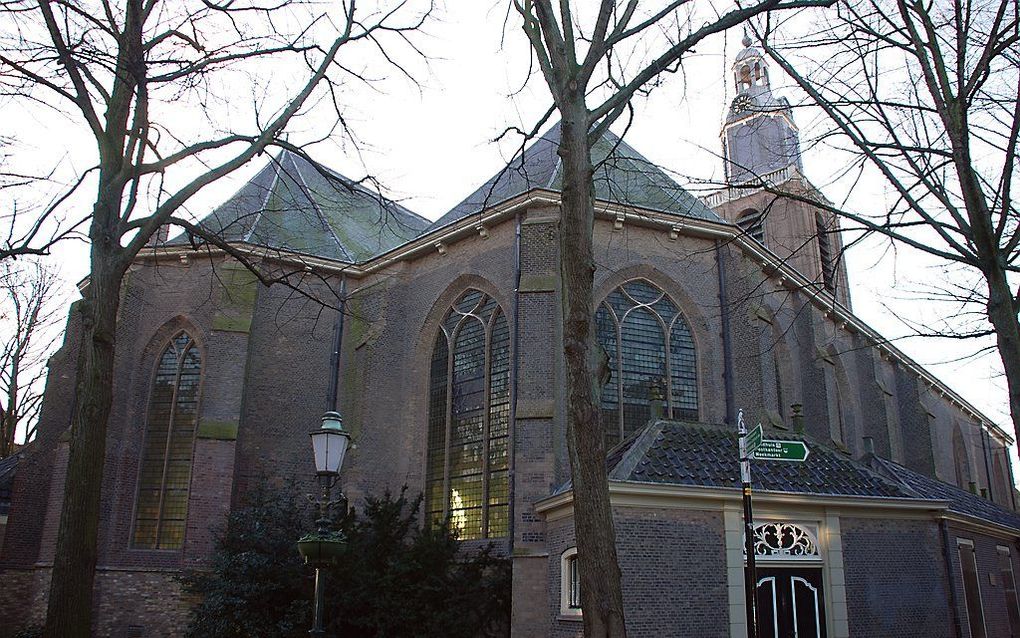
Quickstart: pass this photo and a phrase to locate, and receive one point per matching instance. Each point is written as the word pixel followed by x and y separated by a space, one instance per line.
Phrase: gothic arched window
pixel 161 510
pixel 651 357
pixel 469 417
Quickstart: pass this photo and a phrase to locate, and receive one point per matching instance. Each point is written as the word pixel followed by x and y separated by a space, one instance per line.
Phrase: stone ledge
pixel 535 410
pixel 538 283
pixel 217 430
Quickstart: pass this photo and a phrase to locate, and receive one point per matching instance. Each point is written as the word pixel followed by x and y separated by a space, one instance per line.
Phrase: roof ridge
pixel 374 195
pixel 275 164
pixel 636 450
pixel 318 210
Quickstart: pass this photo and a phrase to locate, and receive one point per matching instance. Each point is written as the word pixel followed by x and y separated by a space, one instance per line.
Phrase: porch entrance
pixel 790 602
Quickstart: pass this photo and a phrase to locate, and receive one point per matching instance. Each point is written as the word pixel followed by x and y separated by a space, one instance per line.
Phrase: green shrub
pixel 395 578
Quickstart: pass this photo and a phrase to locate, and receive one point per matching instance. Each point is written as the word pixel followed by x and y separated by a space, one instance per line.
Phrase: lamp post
pixel 329 443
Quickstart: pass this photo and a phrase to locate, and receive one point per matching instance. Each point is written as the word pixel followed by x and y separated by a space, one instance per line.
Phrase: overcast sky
pixel 432 145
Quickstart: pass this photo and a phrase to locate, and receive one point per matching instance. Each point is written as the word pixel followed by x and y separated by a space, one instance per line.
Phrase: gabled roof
pixel 702 455
pixel 622 176
pixel 295 205
pixel 960 501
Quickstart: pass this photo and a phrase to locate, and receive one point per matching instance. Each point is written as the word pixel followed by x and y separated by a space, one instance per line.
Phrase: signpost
pixel 753 445
pixel 771 450
pixel 750 579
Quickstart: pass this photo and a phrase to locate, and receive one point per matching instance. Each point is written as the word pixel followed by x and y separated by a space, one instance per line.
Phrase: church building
pixel 450 376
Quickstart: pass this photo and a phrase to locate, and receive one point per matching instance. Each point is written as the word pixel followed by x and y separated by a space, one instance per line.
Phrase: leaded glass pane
pixel 466 473
pixel 605 330
pixel 632 325
pixel 642 355
pixel 683 370
pixel 434 500
pixel 165 476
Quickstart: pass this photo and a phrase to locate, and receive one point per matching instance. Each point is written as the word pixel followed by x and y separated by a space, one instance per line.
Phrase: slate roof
pixel 296 205
pixel 622 176
pixel 960 501
pixel 701 455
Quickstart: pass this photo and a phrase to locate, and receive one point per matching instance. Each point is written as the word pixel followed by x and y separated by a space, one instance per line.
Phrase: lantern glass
pixel 329 444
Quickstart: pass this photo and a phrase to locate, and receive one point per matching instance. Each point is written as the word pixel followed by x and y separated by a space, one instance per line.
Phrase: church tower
pixel 761 145
pixel 759 136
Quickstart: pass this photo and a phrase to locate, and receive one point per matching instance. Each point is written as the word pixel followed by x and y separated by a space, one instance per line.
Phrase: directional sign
pixel 772 450
pixel 753 439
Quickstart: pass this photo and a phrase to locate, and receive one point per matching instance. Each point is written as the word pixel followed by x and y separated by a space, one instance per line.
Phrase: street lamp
pixel 322 548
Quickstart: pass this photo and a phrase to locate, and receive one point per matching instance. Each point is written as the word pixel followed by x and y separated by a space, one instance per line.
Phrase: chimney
pixel 869 445
pixel 972 486
pixel 798 418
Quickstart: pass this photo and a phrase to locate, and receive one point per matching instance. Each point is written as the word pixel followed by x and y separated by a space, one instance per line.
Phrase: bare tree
pixel 28 317
pixel 927 95
pixel 154 86
pixel 587 58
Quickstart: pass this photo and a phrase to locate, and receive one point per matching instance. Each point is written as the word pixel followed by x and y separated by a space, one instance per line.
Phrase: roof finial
pixel 747 38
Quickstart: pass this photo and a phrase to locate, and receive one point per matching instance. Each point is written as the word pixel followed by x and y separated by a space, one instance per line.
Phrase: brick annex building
pixel 900 523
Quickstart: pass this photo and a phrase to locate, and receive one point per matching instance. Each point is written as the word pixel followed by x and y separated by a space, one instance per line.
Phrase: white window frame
pixel 568 562
pixel 1002 550
pixel 966 542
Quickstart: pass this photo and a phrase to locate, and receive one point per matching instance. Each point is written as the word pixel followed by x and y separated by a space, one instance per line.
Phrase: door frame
pixel 826 530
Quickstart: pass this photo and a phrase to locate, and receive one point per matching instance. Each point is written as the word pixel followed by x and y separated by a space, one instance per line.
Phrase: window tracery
pixel 469 414
pixel 162 505
pixel 651 357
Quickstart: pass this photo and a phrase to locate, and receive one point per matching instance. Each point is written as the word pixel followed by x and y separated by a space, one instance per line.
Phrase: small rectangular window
pixel 971 588
pixel 570 585
pixel 574 593
pixel 1009 589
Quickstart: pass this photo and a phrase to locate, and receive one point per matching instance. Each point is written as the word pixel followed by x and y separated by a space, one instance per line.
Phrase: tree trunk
pixel 70 603
pixel 1002 313
pixel 601 592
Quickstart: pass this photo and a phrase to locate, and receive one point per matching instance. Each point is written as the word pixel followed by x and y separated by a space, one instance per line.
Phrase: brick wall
pixel 674 573
pixel 993 598
pixel 895 578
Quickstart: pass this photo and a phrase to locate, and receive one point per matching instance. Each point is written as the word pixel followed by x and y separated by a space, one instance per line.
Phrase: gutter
pixel 947 558
pixel 334 363
pixel 671 492
pixel 514 371
pixel 724 315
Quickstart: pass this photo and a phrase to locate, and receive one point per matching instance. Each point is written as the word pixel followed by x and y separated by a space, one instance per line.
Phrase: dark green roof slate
pixel 960 501
pixel 702 455
pixel 296 205
pixel 622 176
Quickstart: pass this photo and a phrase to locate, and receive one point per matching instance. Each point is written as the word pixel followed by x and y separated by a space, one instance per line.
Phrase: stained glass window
pixel 162 507
pixel 469 418
pixel 651 357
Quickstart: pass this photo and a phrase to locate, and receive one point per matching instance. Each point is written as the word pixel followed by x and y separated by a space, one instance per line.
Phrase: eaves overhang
pixel 629 493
